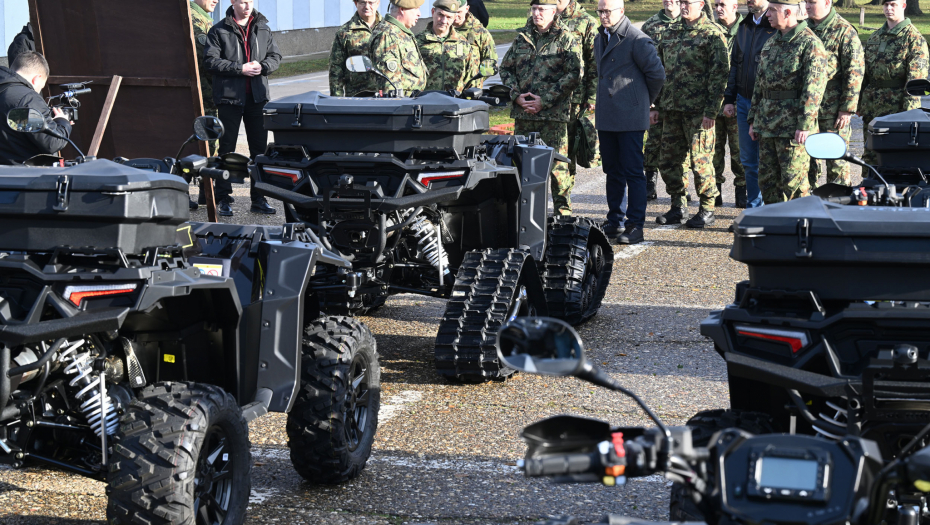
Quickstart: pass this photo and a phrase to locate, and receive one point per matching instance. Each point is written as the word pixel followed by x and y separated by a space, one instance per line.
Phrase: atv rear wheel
pixel 575 269
pixel 703 425
pixel 491 287
pixel 181 457
pixel 332 424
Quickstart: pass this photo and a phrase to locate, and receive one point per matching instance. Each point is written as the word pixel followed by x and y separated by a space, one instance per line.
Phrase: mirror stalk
pixel 62 137
pixel 598 377
pixel 188 141
pixel 856 160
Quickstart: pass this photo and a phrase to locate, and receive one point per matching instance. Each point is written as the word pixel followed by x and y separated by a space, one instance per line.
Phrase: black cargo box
pixel 99 204
pixel 839 252
pixel 901 140
pixel 322 123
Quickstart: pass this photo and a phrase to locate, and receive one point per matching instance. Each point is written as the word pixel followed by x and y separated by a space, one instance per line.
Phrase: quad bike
pixel 736 478
pixel 135 347
pixel 413 193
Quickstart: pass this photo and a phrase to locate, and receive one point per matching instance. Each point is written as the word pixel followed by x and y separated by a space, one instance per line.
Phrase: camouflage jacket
pixel 696 68
pixel 547 65
pixel 202 23
pixel 584 27
pixel 451 62
pixel 351 40
pixel 845 65
pixel 892 57
pixel 657 25
pixel 789 84
pixel 730 34
pixel 479 37
pixel 395 53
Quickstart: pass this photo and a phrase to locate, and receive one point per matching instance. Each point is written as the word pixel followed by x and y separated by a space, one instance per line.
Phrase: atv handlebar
pixel 563 465
pixel 214 173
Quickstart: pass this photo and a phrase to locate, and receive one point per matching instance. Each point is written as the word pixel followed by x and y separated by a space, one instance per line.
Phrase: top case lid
pixel 901 122
pixel 96 175
pixel 315 103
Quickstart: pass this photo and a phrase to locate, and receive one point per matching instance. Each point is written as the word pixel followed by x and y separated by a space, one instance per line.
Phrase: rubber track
pixel 563 268
pixel 484 289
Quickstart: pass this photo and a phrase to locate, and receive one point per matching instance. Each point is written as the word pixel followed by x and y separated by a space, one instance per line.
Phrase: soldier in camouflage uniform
pixel 574 17
pixel 789 87
pixel 394 50
pixel 351 40
pixel 543 67
pixel 845 67
pixel 201 23
pixel 694 52
pixel 726 128
pixel 450 61
pixel 467 26
pixel 894 54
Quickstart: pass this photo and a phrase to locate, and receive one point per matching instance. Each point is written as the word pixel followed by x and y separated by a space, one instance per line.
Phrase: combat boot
pixel 651 178
pixel 701 219
pixel 741 199
pixel 719 201
pixel 672 216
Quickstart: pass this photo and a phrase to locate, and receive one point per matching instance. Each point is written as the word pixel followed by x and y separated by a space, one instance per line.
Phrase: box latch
pixel 297 111
pixel 64 193
pixel 417 116
pixel 915 130
pixel 804 239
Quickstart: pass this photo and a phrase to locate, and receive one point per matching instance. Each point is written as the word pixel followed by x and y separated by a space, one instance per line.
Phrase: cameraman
pixel 20 85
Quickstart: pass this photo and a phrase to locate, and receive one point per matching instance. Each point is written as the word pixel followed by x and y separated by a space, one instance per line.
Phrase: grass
pixel 301 67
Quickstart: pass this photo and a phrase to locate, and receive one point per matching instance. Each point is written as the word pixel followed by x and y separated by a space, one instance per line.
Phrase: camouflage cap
pixel 407 4
pixel 449 6
pixel 544 2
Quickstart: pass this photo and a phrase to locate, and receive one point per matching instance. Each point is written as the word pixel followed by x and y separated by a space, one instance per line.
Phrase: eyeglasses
pixel 606 12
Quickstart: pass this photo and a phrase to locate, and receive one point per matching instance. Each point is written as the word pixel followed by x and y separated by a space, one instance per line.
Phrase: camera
pixel 67 102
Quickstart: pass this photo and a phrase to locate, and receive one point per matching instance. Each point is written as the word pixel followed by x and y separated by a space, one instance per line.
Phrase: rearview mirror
pixel 828 146
pixel 26 120
pixel 540 345
pixel 358 64
pixel 208 128
pixel 919 87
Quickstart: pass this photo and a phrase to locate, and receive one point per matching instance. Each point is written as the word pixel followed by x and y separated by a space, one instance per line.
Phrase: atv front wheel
pixel 704 425
pixel 331 427
pixel 575 269
pixel 181 457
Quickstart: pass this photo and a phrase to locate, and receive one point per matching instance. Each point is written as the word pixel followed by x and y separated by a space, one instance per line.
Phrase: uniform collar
pixel 699 23
pixel 391 20
pixel 195 7
pixel 356 22
pixel 663 16
pixel 731 30
pixel 429 35
pixel 897 29
pixel 570 10
pixel 826 22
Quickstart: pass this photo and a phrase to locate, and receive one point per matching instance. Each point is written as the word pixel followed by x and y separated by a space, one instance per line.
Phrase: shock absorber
pixel 430 245
pixel 96 406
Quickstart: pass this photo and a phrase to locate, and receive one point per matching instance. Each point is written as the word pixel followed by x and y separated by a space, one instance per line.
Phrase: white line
pixel 458 465
pixel 632 250
pixel 668 227
pixel 393 405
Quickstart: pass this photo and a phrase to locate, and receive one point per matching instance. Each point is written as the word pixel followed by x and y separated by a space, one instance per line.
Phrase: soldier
pixel 201 23
pixel 894 54
pixel 726 127
pixel 694 52
pixel 394 49
pixel 845 67
pixel 450 61
pixel 655 27
pixel 584 27
pixel 467 26
pixel 351 40
pixel 789 88
pixel 543 67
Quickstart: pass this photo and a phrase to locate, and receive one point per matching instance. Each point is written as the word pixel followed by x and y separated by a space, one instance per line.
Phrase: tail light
pixel 427 178
pixel 76 294
pixel 292 175
pixel 795 339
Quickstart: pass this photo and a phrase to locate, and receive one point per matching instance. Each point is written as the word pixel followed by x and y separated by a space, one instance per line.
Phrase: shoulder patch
pixel 202 39
pixel 392 65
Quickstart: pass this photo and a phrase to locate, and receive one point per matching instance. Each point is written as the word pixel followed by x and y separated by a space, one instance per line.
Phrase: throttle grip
pixel 212 173
pixel 561 465
pixel 493 101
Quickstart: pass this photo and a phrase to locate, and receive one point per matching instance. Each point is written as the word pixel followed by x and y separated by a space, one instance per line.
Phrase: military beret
pixel 463 3
pixel 449 6
pixel 407 4
pixel 544 2
pixel 786 2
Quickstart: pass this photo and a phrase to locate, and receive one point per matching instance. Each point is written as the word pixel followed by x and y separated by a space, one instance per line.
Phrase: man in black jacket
pixel 754 31
pixel 240 54
pixel 20 86
pixel 22 42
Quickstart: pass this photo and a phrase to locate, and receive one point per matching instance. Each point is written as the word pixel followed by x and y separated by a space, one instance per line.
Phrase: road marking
pixel 393 405
pixel 632 250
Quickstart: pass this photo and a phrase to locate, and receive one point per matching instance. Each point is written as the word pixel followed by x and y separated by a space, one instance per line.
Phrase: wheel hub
pixel 357 402
pixel 213 478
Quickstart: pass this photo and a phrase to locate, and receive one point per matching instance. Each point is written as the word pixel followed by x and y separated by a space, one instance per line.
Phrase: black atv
pixel 830 335
pixel 421 201
pixel 136 347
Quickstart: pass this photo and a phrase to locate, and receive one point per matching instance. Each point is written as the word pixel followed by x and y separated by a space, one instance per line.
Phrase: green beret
pixel 407 4
pixel 462 3
pixel 449 6
pixel 544 2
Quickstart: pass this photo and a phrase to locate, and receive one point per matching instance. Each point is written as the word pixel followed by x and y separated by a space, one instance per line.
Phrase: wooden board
pixel 148 43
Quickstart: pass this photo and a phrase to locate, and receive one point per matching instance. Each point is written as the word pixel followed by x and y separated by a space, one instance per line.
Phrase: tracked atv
pixel 421 201
pixel 135 347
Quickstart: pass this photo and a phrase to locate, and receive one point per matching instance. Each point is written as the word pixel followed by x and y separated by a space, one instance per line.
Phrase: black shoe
pixel 201 199
pixel 631 235
pixel 194 205
pixel 741 199
pixel 223 209
pixel 262 206
pixel 719 201
pixel 231 199
pixel 611 229
pixel 672 216
pixel 701 219
pixel 651 179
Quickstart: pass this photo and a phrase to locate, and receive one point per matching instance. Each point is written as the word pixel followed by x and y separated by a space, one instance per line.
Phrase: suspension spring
pixel 430 244
pixel 89 393
pixel 837 419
